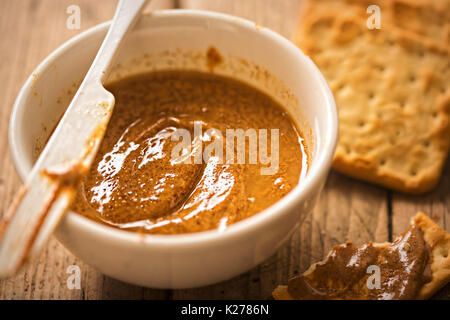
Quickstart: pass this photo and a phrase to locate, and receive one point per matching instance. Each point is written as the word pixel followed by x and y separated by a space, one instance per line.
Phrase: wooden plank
pixel 347 210
pixel 436 204
pixel 30 31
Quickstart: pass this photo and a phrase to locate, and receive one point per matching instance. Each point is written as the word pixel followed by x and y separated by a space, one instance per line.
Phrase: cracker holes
pixel 381 68
pixel 402 101
pixel 393 138
pixel 371 95
pixel 413 172
pixel 442 251
pixel 325 63
pixel 426 143
pixel 382 162
pixel 361 123
pixel 412 78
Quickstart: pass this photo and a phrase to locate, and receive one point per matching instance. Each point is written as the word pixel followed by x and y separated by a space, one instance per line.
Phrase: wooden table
pixel 348 209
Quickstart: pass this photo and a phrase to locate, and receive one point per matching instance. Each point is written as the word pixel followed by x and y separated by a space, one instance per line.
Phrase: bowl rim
pixel 319 166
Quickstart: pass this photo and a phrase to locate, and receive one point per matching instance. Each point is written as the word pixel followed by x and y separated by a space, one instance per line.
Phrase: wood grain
pixel 347 210
pixel 30 31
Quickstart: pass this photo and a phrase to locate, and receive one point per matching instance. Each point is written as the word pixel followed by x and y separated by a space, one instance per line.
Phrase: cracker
pixel 439 241
pixel 436 238
pixel 391 87
pixel 427 20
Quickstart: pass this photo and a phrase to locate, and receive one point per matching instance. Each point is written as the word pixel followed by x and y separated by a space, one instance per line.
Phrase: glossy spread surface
pixel 349 272
pixel 135 182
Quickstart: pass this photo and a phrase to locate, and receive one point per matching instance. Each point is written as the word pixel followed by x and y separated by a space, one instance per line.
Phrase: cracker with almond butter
pixel 414 266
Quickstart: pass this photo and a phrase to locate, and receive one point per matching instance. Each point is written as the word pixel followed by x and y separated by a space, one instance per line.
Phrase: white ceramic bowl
pixel 179 39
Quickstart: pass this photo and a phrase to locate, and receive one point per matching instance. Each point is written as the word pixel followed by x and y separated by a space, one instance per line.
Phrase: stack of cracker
pixel 391 85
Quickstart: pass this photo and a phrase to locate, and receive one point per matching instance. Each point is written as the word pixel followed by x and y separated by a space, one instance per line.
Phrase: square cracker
pixel 435 237
pixel 391 87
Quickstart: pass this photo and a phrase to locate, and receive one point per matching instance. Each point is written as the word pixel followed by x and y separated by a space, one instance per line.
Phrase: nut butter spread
pixel 136 184
pixel 404 267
